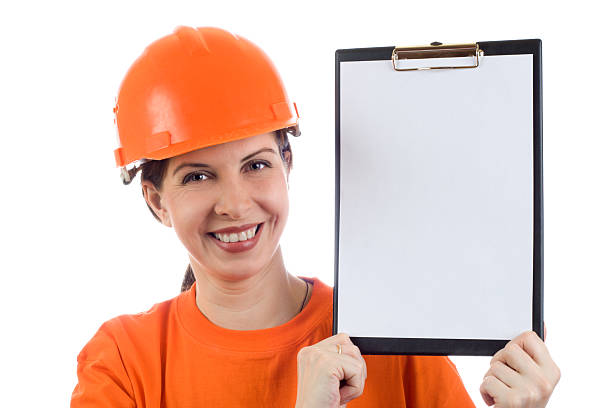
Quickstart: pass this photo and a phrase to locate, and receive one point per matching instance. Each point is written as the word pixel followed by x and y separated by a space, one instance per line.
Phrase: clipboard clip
pixel 436 50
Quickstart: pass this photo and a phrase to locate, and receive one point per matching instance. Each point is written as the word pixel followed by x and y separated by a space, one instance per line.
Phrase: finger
pixel 357 374
pixel 487 398
pixel 352 383
pixel 353 352
pixel 364 371
pixel 351 369
pixel 340 338
pixel 520 340
pixel 506 375
pixel 352 373
pixel 537 350
pixel 347 349
pixel 496 356
pixel 534 346
pixel 492 389
pixel 331 343
pixel 349 393
pixel 517 359
pixel 350 354
pixel 365 368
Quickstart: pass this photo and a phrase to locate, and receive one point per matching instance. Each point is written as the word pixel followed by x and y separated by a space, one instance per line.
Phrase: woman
pixel 205 116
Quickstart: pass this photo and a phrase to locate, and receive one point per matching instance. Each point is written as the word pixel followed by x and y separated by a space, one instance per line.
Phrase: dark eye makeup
pixel 258 162
pixel 194 177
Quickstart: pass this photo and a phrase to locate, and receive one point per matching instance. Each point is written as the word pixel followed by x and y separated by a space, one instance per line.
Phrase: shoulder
pixel 324 292
pixel 119 356
pixel 321 300
pixel 130 330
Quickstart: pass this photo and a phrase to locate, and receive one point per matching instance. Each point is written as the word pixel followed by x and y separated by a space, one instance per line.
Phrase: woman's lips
pixel 238 246
pixel 234 229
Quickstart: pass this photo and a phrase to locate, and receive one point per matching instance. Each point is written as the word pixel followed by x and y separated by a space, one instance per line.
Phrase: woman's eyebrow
pixel 265 149
pixel 189 165
pixel 204 165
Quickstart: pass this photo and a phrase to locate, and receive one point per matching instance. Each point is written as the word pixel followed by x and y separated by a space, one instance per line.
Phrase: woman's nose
pixel 234 201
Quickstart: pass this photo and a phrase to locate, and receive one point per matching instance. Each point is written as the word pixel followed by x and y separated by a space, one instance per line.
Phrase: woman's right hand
pixel 321 369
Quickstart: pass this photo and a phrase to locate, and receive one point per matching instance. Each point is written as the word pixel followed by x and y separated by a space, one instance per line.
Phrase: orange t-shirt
pixel 173 356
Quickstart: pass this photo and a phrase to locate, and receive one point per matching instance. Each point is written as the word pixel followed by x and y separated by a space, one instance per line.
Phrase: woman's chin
pixel 237 274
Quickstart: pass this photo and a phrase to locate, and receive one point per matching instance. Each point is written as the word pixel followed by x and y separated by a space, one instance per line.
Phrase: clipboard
pixel 438 199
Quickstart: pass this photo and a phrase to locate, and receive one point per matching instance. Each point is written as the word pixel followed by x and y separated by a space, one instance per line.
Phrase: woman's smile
pixel 237 239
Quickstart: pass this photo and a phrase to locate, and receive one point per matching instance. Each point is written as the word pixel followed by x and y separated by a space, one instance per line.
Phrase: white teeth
pixel 235 237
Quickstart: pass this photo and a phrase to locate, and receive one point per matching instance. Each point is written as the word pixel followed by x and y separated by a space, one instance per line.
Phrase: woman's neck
pixel 268 299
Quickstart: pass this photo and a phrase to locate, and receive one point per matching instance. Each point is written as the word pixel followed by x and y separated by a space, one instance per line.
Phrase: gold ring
pixel 339 348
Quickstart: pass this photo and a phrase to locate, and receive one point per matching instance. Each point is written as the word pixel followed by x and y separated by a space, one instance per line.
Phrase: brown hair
pixel 155 170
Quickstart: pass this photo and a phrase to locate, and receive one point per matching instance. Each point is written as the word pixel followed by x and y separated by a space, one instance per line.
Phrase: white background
pixel 79 248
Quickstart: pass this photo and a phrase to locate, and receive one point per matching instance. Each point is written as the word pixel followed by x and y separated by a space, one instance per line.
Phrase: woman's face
pixel 240 184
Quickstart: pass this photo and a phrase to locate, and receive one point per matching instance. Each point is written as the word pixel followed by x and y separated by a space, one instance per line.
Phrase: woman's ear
pixel 286 161
pixel 155 202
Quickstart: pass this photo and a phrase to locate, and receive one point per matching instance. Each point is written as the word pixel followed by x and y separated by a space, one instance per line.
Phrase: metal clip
pixel 294 130
pixel 127 175
pixel 436 50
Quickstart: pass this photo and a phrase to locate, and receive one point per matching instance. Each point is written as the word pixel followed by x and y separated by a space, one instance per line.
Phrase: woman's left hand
pixel 522 374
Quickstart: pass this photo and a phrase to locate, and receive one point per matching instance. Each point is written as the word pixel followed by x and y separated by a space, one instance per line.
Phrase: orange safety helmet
pixel 195 88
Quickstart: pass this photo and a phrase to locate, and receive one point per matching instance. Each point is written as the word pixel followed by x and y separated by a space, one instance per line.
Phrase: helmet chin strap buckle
pixel 126 177
pixel 294 130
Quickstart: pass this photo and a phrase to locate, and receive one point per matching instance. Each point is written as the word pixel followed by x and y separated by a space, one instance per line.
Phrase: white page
pixel 436 200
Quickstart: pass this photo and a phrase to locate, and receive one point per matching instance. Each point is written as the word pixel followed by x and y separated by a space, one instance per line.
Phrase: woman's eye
pixel 194 177
pixel 257 165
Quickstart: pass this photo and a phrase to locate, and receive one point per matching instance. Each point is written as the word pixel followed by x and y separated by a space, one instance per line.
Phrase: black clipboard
pixel 437 52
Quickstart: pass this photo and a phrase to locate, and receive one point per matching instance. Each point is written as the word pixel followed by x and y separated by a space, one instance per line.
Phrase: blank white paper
pixel 436 200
